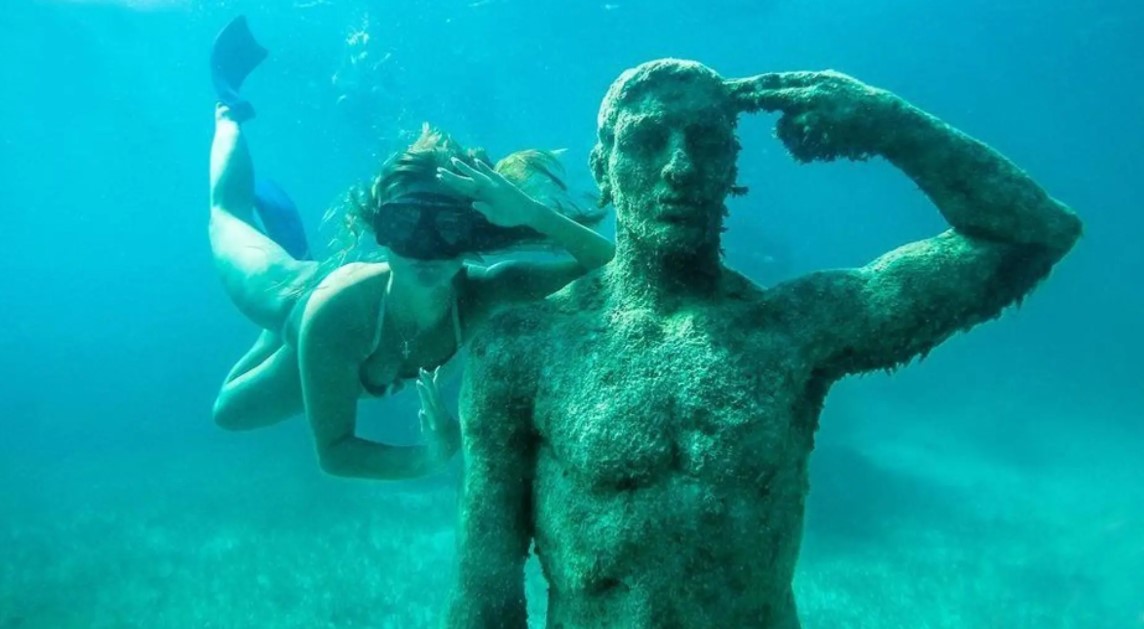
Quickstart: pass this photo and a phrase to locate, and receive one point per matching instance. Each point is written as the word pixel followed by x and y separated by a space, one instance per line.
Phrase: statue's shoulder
pixel 583 295
pixel 741 294
pixel 508 328
pixel 532 325
pixel 745 303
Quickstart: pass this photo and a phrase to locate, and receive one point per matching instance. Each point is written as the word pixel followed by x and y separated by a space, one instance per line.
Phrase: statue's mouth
pixel 679 210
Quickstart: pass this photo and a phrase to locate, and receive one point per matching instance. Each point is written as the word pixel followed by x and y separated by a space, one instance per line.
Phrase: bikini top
pixel 390 388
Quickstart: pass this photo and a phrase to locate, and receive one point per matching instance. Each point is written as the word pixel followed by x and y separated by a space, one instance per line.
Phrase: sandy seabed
pixel 915 532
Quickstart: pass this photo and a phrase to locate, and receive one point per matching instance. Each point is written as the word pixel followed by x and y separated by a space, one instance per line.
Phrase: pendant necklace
pixel 406 343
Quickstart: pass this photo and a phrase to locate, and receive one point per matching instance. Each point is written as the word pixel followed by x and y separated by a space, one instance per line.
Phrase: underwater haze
pixel 997 483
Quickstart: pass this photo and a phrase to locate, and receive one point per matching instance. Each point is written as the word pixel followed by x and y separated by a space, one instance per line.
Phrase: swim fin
pixel 234 55
pixel 280 218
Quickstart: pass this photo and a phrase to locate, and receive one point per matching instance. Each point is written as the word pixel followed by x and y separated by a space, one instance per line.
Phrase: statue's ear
pixel 598 163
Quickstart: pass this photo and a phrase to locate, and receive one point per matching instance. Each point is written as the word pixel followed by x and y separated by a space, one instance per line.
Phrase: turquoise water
pixel 995 484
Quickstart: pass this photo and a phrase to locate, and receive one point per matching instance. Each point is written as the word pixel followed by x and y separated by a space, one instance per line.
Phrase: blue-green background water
pixel 997 483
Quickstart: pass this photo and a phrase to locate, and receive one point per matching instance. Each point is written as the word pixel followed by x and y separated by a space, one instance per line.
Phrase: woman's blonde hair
pixel 538 173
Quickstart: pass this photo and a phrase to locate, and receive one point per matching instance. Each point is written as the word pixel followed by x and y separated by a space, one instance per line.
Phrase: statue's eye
pixel 703 138
pixel 644 138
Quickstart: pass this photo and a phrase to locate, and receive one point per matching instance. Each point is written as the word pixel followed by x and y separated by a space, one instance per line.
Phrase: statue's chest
pixel 624 409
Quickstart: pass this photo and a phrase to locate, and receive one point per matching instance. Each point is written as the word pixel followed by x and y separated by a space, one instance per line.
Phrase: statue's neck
pixel 650 277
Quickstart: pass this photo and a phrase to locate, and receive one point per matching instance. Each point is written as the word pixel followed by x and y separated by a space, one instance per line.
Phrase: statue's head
pixel 665 153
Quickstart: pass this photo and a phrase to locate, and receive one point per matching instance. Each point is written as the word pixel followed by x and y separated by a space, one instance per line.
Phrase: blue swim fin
pixel 234 55
pixel 280 218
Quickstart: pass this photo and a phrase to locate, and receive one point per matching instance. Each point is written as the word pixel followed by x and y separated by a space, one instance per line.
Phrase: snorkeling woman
pixel 333 334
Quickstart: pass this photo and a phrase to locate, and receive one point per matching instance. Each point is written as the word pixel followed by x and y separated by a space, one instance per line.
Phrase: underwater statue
pixel 649 427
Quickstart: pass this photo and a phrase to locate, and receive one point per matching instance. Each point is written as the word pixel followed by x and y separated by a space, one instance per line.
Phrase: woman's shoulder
pixel 347 295
pixel 353 276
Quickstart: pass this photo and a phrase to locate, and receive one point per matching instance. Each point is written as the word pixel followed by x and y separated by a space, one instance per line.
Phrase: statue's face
pixel 672 165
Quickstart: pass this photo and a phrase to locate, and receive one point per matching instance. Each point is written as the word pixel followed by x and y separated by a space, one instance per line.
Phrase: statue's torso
pixel 671 467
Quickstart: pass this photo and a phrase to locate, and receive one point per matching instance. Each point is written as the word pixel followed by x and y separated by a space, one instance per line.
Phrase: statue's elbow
pixel 1065 232
pixel 1074 229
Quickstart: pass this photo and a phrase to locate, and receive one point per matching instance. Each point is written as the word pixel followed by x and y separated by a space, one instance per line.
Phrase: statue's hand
pixel 826 115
